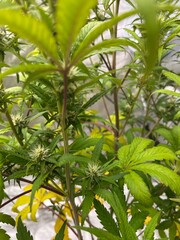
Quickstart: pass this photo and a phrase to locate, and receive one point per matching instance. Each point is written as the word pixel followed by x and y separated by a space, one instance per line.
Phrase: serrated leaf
pixel 95 98
pixel 70 17
pixel 32 29
pixel 97 150
pixel 137 220
pixel 100 233
pixel 152 154
pixel 161 173
pixel 3 235
pixel 28 68
pixel 138 188
pixel 22 232
pixel 171 135
pixel 4 218
pixel 106 46
pixel 97 31
pixel 70 158
pixel 138 145
pixel 87 205
pixel 106 218
pixel 60 234
pixel 83 143
pixel 174 77
pixel 166 133
pixel 125 228
pixel 148 11
pixel 83 33
pixel 149 230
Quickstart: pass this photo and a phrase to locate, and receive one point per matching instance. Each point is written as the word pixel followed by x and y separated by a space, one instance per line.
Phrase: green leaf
pixel 94 99
pixel 152 154
pixel 137 220
pixel 136 153
pixel 32 29
pixel 172 231
pixel 138 188
pixel 149 230
pixel 171 135
pixel 19 174
pixel 175 199
pixel 106 218
pixel 161 173
pixel 177 115
pixel 125 228
pixel 36 185
pixel 138 145
pixel 13 90
pixel 87 205
pixel 83 143
pixel 28 68
pixel 4 218
pixel 22 232
pixel 83 33
pixel 3 235
pixel 174 77
pixel 97 31
pixel 148 11
pixel 97 150
pixel 106 46
pixel 100 233
pixel 70 158
pixel 168 92
pixel 60 234
pixel 70 17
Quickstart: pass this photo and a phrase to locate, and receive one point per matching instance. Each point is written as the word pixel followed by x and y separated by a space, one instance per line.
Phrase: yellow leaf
pixel 20 201
pixel 58 224
pixel 50 195
pixel 40 194
pixel 34 211
pixel 28 187
pixel 23 214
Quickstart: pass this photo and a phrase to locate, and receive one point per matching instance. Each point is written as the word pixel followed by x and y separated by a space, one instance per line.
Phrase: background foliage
pixel 50 132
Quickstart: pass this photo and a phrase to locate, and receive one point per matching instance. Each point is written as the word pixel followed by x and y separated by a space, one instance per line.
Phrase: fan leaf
pixel 32 29
pixel 70 17
pixel 22 232
pixel 138 188
pixel 163 174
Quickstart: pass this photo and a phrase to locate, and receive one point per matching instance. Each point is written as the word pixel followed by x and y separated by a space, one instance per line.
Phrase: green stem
pixel 115 92
pixel 8 116
pixel 70 190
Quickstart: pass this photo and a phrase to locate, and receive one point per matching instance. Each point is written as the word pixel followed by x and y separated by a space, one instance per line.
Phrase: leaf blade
pixel 138 188
pixel 39 33
pixel 163 174
pixel 70 17
pixel 22 232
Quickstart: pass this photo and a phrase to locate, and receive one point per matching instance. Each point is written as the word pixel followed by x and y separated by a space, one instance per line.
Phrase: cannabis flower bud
pixel 39 153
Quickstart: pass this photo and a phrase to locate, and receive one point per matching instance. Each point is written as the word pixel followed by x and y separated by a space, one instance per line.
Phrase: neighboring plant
pixel 68 55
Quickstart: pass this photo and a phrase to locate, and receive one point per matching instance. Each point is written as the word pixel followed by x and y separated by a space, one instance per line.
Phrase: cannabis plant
pixel 124 163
